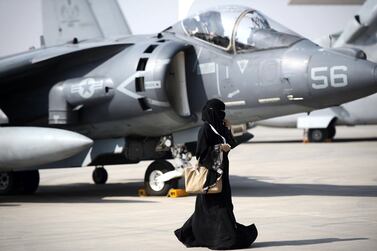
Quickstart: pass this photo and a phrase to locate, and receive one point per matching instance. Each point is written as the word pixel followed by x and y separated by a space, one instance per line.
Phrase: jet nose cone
pixel 339 78
pixel 362 75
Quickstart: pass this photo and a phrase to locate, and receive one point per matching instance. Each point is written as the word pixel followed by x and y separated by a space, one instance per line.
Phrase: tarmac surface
pixel 300 196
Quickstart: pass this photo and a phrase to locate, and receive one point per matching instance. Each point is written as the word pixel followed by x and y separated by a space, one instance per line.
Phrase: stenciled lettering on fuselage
pixel 87 87
pixel 69 13
pixel 206 68
pixel 242 64
pixel 152 85
pixel 335 76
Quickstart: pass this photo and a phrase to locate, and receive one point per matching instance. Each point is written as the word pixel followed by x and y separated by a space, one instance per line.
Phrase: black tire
pixel 7 183
pixel 28 181
pixel 99 176
pixel 317 135
pixel 331 131
pixel 159 167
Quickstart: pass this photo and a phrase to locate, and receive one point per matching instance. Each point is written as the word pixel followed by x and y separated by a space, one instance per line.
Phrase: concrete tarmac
pixel 300 196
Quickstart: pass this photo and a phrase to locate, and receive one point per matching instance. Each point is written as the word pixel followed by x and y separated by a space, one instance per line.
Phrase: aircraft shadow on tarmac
pixel 241 187
pixel 302 242
pixel 343 140
pixel 80 193
pixel 251 186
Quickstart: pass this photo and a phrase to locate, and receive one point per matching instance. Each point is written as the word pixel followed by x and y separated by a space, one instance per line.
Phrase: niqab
pixel 214 114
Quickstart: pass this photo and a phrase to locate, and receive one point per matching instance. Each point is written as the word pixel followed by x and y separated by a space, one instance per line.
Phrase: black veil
pixel 214 114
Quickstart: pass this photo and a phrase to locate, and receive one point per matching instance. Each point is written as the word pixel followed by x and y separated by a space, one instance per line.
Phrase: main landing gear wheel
pixel 99 175
pixel 317 135
pixel 154 170
pixel 29 181
pixel 321 134
pixel 7 182
pixel 23 182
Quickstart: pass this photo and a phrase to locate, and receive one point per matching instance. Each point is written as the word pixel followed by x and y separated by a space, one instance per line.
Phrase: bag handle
pixel 214 130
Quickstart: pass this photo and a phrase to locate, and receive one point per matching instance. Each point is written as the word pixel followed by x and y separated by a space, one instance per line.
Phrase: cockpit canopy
pixel 237 28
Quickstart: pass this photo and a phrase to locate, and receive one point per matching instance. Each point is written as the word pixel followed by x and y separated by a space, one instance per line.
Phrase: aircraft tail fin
pixel 65 20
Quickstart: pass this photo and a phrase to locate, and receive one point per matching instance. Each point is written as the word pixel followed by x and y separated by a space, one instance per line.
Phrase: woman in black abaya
pixel 213 224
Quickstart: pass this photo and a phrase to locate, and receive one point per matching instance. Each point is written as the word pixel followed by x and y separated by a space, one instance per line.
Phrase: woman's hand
pixel 225 147
pixel 227 123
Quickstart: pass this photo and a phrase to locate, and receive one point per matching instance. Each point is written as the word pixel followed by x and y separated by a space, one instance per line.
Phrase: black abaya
pixel 213 224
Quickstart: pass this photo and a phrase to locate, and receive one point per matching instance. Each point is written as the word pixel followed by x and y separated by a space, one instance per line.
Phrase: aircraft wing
pixel 362 28
pixel 360 32
pixel 24 65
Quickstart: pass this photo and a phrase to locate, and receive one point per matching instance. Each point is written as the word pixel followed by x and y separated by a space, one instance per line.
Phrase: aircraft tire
pixel 317 135
pixel 155 169
pixel 28 181
pixel 7 183
pixel 99 175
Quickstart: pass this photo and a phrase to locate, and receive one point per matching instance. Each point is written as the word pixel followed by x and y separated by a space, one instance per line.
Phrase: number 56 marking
pixel 337 79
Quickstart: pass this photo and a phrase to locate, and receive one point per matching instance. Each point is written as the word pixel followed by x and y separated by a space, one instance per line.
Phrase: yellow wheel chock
pixel 142 192
pixel 175 193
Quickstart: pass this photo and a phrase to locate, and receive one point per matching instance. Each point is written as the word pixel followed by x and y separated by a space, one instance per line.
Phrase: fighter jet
pixel 121 101
pixel 320 125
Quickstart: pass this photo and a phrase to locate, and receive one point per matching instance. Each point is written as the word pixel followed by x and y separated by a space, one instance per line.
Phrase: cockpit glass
pixel 255 32
pixel 249 24
pixel 238 28
pixel 213 26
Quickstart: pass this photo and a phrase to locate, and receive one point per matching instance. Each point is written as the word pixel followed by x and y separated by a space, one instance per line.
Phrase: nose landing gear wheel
pixel 154 170
pixel 99 175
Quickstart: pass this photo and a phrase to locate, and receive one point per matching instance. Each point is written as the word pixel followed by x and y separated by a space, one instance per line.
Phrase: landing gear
pixel 321 134
pixel 99 175
pixel 22 182
pixel 161 175
pixel 317 135
pixel 7 180
pixel 29 181
pixel 153 185
pixel 331 131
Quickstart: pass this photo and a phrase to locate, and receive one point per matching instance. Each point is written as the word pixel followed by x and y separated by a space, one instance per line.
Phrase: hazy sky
pixel 21 20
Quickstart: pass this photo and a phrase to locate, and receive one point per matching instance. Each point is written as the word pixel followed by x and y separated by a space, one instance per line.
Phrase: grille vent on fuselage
pixel 139 84
pixel 144 104
pixel 142 64
pixel 150 48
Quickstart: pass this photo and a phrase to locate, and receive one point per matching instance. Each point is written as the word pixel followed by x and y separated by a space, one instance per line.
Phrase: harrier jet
pixel 120 101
